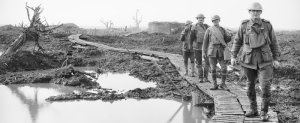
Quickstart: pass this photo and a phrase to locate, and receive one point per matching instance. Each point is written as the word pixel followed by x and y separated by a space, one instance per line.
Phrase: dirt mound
pixel 69 77
pixel 26 61
pixel 66 76
pixel 144 93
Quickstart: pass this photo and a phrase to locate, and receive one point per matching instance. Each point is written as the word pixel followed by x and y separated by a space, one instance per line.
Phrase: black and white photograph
pixel 149 61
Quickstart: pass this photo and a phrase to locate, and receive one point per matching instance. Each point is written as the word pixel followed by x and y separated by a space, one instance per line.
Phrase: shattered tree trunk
pixel 34 30
pixel 16 44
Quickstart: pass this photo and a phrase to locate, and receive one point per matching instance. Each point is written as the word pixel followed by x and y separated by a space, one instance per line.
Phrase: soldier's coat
pixel 256 53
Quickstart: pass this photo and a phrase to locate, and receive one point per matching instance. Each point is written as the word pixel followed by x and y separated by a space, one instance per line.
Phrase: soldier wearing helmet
pixel 187 47
pixel 214 44
pixel 197 35
pixel 260 52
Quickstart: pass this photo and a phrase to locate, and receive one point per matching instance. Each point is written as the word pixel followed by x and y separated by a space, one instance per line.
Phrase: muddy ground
pixel 143 40
pixel 285 93
pixel 27 66
pixel 19 68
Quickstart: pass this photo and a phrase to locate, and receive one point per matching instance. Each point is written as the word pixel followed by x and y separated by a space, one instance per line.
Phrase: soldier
pixel 260 50
pixel 197 35
pixel 214 43
pixel 187 47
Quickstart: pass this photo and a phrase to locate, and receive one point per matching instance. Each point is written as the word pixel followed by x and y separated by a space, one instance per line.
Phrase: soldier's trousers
pixel 265 76
pixel 201 66
pixel 213 66
pixel 188 55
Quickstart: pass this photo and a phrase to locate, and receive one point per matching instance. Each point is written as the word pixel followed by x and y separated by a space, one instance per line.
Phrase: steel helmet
pixel 200 16
pixel 215 17
pixel 255 6
pixel 188 22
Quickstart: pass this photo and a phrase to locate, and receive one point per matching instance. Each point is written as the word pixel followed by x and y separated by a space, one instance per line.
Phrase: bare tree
pixel 35 29
pixel 137 19
pixel 108 24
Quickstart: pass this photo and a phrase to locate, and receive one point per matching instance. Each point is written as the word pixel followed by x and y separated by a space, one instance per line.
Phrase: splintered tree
pixel 137 19
pixel 36 28
pixel 108 24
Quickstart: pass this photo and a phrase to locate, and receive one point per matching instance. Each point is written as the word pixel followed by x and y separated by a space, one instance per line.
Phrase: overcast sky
pixel 283 14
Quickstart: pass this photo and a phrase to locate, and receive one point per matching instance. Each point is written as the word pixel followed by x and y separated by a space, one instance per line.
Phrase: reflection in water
pixel 32 96
pixel 26 104
pixel 122 82
pixel 1 53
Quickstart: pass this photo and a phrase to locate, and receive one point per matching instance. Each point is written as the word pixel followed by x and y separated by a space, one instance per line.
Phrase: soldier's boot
pixel 205 73
pixel 214 78
pixel 186 69
pixel 264 116
pixel 193 69
pixel 253 109
pixel 200 73
pixel 252 99
pixel 223 84
pixel 266 94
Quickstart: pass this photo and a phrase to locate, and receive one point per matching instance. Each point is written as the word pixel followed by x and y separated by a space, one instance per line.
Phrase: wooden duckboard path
pixel 230 107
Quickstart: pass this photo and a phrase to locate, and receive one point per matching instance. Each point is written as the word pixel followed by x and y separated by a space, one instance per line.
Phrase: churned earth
pixel 61 62
pixel 285 85
pixel 26 66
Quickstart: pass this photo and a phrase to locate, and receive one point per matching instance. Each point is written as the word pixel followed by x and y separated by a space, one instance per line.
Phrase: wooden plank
pixel 228 118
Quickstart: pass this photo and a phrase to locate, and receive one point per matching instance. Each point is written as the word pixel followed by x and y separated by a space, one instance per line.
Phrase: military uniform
pixel 214 49
pixel 187 44
pixel 260 48
pixel 197 35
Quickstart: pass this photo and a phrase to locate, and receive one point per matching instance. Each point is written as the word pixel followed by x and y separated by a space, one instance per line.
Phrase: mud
pixel 146 71
pixel 69 77
pixel 18 68
pixel 47 69
pixel 66 76
pixel 27 61
pixel 143 40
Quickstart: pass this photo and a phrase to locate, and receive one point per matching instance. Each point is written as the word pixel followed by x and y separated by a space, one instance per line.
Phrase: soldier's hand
pixel 233 61
pixel 276 64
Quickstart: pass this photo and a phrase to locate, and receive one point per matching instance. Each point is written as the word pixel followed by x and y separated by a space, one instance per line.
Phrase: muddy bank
pixel 66 76
pixel 28 61
pixel 47 70
pixel 143 40
pixel 143 69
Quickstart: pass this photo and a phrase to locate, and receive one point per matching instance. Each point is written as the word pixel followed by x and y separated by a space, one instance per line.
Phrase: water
pixel 1 53
pixel 26 104
pixel 122 82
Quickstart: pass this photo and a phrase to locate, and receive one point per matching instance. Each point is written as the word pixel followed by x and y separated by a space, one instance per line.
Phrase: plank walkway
pixel 230 107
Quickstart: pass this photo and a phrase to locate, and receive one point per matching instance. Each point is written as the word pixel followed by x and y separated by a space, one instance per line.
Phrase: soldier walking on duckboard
pixel 197 35
pixel 214 44
pixel 260 50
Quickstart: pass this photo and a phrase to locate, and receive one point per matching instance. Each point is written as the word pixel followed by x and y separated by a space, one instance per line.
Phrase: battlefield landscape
pixel 72 57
